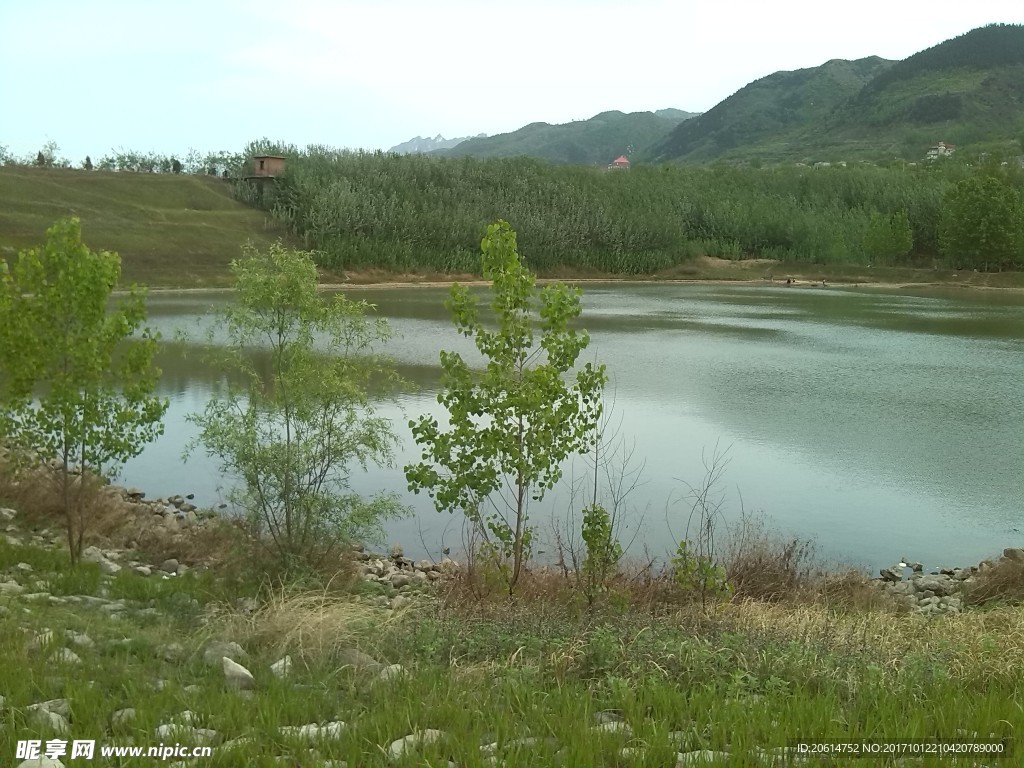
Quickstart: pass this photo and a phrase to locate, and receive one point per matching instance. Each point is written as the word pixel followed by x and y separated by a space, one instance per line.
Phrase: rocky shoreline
pixel 941 591
pixel 936 592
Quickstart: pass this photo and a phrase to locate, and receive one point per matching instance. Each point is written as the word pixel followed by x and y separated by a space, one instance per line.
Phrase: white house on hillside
pixel 942 149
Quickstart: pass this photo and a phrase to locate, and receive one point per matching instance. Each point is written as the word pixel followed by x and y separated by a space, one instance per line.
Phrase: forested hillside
pixel 423 212
pixel 968 91
pixel 598 140
pixel 769 113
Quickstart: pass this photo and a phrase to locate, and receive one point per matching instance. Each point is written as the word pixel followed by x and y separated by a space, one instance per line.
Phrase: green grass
pixel 744 678
pixel 170 230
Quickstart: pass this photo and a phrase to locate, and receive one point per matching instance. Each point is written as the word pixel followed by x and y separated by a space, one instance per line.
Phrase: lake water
pixel 884 424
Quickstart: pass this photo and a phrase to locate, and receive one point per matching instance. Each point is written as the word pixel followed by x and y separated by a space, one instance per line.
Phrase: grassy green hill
pixel 168 229
pixel 767 115
pixel 598 140
pixel 968 91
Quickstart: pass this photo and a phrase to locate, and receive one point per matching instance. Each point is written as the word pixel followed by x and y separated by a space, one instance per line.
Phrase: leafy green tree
pixel 292 434
pixel 982 223
pixel 888 239
pixel 76 378
pixel 512 424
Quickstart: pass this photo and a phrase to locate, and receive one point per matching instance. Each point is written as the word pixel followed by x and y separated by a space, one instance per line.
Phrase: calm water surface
pixel 882 423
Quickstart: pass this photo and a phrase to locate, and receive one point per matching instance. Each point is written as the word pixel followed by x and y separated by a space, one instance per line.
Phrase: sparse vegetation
pixel 76 378
pixel 294 432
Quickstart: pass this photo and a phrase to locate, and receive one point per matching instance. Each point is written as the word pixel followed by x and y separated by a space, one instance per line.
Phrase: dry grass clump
pixel 1002 582
pixel 762 565
pixel 314 626
pixel 974 641
pixel 36 490
pixel 852 590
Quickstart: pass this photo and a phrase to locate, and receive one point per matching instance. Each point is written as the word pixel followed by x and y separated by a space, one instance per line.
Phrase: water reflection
pixel 883 423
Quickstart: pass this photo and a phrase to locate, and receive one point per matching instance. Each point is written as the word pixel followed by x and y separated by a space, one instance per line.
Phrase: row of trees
pixel 423 212
pixel 77 383
pixel 193 161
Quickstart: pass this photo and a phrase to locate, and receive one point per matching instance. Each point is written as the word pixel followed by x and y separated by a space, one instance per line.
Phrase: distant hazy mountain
pixel 421 144
pixel 600 139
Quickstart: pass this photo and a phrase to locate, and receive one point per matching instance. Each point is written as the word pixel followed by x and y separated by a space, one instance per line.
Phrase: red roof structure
pixel 621 160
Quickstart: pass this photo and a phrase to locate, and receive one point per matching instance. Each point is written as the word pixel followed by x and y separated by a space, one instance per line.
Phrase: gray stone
pixel 615 726
pixel 122 717
pixel 172 652
pixel 1014 553
pixel 50 720
pixel 185 733
pixel 143 570
pixel 396 551
pixel 79 639
pixel 66 656
pixel 24 567
pixel 40 762
pixel 106 564
pixel 236 676
pixel 60 707
pixel 424 565
pixel 391 673
pixel 169 566
pixel 312 732
pixel 403 746
pixel 216 650
pixel 282 667
pixel 39 641
pixel 702 757
pixel 939 585
pixel 889 574
pixel 400 580
pixel 10 588
pixel 399 601
pixel 7 514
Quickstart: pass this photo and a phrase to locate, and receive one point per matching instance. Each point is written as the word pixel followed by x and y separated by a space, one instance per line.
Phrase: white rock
pixel 122 716
pixel 78 638
pixel 392 672
pixel 143 570
pixel 217 649
pixel 237 676
pixel 701 757
pixel 7 514
pixel 94 555
pixel 60 707
pixel 399 601
pixel 40 640
pixel 10 588
pixel 312 732
pixel 614 726
pixel 400 747
pixel 282 667
pixel 66 656
pixel 51 720
pixel 41 762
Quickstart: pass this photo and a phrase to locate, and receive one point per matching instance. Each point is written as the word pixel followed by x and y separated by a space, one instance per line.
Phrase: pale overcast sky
pixel 166 76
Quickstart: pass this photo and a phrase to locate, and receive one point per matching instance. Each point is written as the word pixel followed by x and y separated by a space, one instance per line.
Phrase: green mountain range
pixel 968 91
pixel 769 113
pixel 598 140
